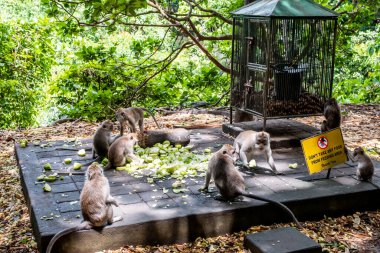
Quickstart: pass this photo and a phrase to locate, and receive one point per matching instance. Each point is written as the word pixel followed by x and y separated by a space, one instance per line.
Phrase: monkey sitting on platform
pixel 122 149
pixel 95 202
pixel 365 168
pixel 249 142
pixel 229 181
pixel 332 114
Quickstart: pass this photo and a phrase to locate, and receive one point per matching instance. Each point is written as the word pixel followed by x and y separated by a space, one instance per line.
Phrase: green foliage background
pixel 51 69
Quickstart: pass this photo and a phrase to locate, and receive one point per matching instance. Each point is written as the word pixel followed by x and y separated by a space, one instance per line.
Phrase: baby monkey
pixel 122 149
pixel 229 181
pixel 249 142
pixel 95 202
pixel 131 116
pixel 332 114
pixel 365 166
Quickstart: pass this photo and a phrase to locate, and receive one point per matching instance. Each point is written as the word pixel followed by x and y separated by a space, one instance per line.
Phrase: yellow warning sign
pixel 324 151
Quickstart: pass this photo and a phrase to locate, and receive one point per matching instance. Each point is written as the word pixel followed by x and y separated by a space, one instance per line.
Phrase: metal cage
pixel 282 58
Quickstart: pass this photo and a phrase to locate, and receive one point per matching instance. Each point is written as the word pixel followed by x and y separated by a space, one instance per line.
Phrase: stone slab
pixel 281 240
pixel 154 217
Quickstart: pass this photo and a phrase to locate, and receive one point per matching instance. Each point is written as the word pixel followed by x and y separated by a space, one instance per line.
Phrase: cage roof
pixel 284 8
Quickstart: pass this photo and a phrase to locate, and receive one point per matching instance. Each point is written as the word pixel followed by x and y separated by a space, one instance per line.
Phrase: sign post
pixel 324 151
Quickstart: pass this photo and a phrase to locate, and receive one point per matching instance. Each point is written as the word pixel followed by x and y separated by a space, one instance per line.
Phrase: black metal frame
pixel 271 87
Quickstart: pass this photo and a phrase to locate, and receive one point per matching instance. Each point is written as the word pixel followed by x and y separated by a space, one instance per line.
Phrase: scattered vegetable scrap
pixel 359 232
pixel 67 160
pixel 82 152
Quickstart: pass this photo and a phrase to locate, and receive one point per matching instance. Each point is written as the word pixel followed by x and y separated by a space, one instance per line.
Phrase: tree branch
pixel 337 5
pixel 184 30
pixel 150 25
pixel 216 14
pixel 172 56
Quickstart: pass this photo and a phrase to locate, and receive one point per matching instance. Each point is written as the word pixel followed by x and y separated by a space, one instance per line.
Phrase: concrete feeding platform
pixel 154 217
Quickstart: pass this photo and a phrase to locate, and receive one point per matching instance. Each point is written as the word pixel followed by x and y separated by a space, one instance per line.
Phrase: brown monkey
pixel 95 202
pixel 365 166
pixel 249 142
pixel 332 114
pixel 102 139
pixel 122 149
pixel 131 116
pixel 101 142
pixel 229 181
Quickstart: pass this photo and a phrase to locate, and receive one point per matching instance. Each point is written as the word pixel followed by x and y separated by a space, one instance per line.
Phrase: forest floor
pixel 359 232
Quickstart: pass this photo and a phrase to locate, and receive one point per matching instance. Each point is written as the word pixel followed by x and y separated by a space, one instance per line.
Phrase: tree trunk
pixel 175 136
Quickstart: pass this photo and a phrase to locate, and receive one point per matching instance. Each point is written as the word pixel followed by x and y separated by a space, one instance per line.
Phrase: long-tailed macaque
pixel 131 116
pixel 95 202
pixel 249 143
pixel 365 168
pixel 332 114
pixel 102 140
pixel 229 181
pixel 122 149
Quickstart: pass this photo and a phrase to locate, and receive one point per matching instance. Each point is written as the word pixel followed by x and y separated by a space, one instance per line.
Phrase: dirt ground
pixel 359 232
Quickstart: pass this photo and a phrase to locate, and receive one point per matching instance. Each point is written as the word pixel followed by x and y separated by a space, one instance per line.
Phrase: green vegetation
pixel 86 58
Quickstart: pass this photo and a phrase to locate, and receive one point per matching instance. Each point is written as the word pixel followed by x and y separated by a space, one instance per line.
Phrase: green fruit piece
pixel 50 178
pixel 46 188
pixel 77 166
pixel 177 184
pixel 105 162
pixel 178 146
pixel 41 177
pixel 23 144
pixel 67 160
pixel 166 142
pixel 128 159
pixel 154 150
pixel 82 152
pixel 120 168
pixel 252 163
pixel 148 160
pixel 179 190
pixel 207 151
pixel 61 177
pixel 293 165
pixel 47 166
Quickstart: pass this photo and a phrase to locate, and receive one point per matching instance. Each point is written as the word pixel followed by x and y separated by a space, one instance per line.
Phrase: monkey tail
pixel 151 114
pixel 250 195
pixel 83 226
pixel 96 160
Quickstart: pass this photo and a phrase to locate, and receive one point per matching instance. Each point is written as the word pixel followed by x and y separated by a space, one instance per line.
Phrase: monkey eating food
pixel 131 116
pixel 95 202
pixel 249 142
pixel 121 150
pixel 229 181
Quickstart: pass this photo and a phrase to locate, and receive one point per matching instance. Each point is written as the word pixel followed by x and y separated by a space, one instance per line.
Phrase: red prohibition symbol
pixel 322 142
